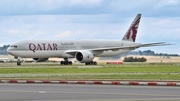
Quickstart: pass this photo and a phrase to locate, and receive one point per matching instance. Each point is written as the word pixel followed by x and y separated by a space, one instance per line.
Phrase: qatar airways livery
pixel 83 51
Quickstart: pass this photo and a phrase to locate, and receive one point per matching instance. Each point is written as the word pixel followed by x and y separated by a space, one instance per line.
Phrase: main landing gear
pixel 66 62
pixel 91 63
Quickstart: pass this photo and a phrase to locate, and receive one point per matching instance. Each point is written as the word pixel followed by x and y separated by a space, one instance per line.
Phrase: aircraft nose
pixel 9 50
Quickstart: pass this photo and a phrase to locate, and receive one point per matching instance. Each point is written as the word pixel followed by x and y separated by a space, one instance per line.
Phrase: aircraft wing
pixel 154 44
pixel 131 47
pixel 73 52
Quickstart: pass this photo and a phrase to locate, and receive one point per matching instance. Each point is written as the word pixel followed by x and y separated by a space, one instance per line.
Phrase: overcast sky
pixel 91 19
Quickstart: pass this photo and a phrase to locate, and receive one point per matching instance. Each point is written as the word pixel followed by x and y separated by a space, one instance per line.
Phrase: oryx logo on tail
pixel 132 31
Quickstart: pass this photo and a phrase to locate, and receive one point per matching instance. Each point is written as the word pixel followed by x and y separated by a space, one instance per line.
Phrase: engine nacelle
pixel 84 56
pixel 40 59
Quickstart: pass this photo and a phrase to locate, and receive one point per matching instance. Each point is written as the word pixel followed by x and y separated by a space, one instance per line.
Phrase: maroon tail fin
pixel 132 31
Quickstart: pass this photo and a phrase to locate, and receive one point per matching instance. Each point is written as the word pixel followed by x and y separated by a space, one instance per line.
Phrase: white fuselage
pixel 83 50
pixel 58 48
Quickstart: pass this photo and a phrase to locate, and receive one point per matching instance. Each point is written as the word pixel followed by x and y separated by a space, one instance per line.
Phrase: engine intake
pixel 84 56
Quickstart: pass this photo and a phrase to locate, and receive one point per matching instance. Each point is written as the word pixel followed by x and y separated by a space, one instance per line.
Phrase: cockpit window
pixel 15 46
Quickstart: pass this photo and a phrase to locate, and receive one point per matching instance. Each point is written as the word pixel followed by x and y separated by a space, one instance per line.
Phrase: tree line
pixel 132 59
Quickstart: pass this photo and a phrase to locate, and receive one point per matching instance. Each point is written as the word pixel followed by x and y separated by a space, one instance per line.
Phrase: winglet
pixel 132 31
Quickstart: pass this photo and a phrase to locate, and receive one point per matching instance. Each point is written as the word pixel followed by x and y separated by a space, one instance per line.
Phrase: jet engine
pixel 84 56
pixel 40 59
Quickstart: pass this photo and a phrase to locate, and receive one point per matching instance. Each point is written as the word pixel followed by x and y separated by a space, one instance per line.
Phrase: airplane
pixel 84 51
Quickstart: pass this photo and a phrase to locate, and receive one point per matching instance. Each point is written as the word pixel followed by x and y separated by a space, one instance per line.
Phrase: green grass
pixel 108 69
pixel 101 77
pixel 130 71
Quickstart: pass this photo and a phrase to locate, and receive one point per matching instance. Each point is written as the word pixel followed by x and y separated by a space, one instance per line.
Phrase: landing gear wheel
pixel 91 63
pixel 86 63
pixel 70 62
pixel 66 62
pixel 62 62
pixel 19 63
pixel 95 63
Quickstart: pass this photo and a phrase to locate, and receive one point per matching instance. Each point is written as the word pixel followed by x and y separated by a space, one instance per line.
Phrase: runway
pixel 74 92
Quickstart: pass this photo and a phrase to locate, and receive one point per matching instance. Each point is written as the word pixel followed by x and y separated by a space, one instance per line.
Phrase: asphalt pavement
pixel 78 92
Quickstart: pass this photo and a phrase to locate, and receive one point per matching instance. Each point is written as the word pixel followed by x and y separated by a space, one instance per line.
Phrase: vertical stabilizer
pixel 132 31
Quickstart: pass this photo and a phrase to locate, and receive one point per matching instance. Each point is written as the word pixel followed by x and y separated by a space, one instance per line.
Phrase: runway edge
pixel 94 82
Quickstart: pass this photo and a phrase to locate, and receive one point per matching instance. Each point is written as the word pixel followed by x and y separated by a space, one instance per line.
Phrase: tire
pixel 62 62
pixel 70 62
pixel 19 63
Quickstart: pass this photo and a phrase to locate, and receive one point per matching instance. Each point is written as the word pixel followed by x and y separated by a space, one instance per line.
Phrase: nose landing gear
pixel 19 62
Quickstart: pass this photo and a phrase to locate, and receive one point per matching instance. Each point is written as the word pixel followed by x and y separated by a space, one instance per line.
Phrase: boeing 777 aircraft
pixel 83 50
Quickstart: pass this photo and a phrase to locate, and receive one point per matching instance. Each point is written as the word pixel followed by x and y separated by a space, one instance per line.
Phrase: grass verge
pixel 106 72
